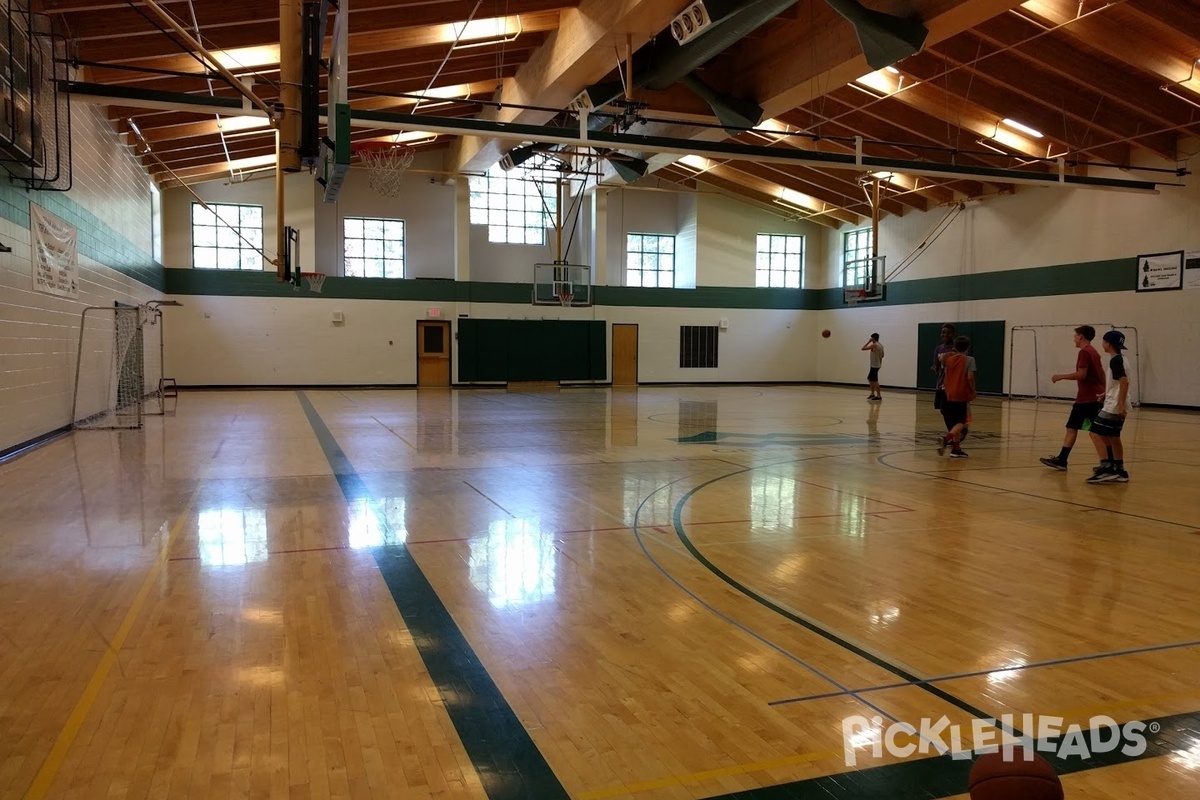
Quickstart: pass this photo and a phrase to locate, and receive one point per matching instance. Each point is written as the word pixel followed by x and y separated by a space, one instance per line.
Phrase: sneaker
pixel 957 454
pixel 1105 475
pixel 870 397
pixel 1121 477
pixel 1054 462
pixel 942 442
pixel 1104 465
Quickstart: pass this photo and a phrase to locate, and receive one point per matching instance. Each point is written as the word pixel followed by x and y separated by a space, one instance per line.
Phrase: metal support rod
pixel 213 62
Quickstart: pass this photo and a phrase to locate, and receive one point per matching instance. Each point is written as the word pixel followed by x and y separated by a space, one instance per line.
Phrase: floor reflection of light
pixel 680 611
pixel 1008 672
pixel 365 528
pixel 261 676
pixel 772 502
pixel 1189 758
pixel 514 564
pixel 232 536
pixel 658 505
pixel 790 568
pixel 885 617
pixel 264 615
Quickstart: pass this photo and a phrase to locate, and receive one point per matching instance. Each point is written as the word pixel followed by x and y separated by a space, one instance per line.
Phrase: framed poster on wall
pixel 1160 272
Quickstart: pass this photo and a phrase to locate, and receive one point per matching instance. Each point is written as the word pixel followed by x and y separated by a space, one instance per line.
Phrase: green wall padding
pixel 531 350
pixel 987 345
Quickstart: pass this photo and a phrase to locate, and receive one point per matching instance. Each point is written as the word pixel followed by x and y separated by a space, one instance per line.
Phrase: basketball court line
pixel 58 752
pixel 1016 668
pixel 727 618
pixel 812 625
pixel 936 475
pixel 504 756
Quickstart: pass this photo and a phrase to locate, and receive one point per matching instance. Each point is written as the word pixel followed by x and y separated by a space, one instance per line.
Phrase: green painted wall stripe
pixel 1117 275
pixel 96 240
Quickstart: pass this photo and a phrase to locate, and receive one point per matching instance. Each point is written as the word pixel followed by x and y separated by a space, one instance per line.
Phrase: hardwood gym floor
pixel 668 592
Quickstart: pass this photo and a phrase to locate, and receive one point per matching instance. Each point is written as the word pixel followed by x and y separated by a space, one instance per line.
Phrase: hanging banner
pixel 55 255
pixel 1160 271
pixel 1191 269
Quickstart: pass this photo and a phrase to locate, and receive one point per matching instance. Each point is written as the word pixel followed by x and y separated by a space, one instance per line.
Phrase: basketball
pixel 825 333
pixel 994 778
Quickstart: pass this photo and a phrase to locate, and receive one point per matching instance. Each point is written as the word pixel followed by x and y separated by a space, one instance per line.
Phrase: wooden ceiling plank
pixel 578 53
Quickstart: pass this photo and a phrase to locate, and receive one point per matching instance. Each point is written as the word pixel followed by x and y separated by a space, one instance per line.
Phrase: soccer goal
pixel 118 367
pixel 1037 352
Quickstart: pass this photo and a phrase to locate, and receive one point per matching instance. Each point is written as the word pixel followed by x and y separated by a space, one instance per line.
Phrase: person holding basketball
pixel 876 362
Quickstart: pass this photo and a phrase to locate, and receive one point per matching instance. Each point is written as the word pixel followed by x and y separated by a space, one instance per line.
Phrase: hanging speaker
pixel 691 22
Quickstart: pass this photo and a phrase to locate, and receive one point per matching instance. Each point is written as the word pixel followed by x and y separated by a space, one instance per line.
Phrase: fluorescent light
pixel 698 163
pixel 798 199
pixel 1012 123
pixel 241 58
pixel 492 30
pixel 892 70
pixel 886 177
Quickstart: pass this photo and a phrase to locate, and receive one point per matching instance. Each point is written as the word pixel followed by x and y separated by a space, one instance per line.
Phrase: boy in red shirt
pixel 960 390
pixel 1089 373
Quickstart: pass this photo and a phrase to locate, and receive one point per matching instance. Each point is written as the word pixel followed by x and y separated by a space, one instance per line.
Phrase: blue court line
pixel 980 673
pixel 509 765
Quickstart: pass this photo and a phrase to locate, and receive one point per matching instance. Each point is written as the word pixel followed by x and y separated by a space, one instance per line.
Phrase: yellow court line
pixel 45 777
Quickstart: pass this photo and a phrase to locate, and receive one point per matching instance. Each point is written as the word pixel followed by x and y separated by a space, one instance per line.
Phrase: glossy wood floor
pixel 671 592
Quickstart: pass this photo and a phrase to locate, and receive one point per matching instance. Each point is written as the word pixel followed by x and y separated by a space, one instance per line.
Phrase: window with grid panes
pixel 227 236
pixel 516 211
pixel 779 261
pixel 373 248
pixel 856 248
pixel 650 260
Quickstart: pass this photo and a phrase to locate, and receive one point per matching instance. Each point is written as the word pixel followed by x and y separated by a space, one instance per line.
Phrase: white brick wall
pixel 39 332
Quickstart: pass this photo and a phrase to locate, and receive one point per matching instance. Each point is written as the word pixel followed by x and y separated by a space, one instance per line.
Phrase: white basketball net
pixel 386 167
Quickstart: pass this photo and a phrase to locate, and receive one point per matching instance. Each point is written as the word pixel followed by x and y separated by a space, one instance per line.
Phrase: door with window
pixel 433 353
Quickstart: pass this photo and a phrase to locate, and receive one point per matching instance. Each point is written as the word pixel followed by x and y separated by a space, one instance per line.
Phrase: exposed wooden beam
pixel 580 52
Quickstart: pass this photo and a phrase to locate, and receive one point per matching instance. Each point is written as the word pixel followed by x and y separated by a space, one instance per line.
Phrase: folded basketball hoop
pixel 386 163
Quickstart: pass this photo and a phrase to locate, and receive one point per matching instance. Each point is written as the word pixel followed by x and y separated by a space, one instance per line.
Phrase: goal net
pixel 110 374
pixel 1038 352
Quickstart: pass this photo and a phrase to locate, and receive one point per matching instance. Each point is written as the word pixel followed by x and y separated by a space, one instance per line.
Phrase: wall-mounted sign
pixel 1159 272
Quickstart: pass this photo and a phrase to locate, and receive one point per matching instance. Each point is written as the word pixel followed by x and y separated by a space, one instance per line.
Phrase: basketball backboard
pixel 551 281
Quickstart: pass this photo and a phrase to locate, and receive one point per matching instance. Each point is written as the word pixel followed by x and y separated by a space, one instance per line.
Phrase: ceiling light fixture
pixel 1012 123
pixel 1190 95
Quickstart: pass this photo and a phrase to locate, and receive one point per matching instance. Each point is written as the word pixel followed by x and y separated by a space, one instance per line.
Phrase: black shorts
pixel 873 375
pixel 954 412
pixel 1081 413
pixel 939 397
pixel 1108 425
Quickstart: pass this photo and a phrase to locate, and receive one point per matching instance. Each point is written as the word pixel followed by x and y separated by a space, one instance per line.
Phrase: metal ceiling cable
pixel 450 52
pixel 211 93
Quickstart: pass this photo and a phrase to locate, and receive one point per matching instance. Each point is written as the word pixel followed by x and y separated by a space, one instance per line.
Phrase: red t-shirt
pixel 1091 385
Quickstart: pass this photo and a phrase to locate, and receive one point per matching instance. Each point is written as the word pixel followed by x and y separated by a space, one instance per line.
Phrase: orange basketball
pixel 825 333
pixel 994 778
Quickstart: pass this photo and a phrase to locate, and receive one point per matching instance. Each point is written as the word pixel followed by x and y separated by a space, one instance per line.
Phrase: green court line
pixel 509 765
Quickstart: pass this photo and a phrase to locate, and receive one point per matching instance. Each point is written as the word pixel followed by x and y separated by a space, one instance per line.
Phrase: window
pixel 374 248
pixel 650 260
pixel 856 248
pixel 779 263
pixel 516 210
pixel 226 236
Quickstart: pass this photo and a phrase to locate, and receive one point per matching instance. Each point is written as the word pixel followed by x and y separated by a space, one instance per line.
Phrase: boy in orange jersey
pixel 960 390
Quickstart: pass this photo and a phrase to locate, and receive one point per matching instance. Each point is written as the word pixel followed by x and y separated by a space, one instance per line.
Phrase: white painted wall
pixel 1036 227
pixel 39 332
pixel 254 341
pixel 727 239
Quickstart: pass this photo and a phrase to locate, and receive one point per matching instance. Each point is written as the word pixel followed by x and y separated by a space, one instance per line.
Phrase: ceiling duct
pixel 732 112
pixel 884 39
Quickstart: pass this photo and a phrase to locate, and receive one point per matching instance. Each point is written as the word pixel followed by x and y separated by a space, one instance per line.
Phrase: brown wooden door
pixel 624 355
pixel 433 353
